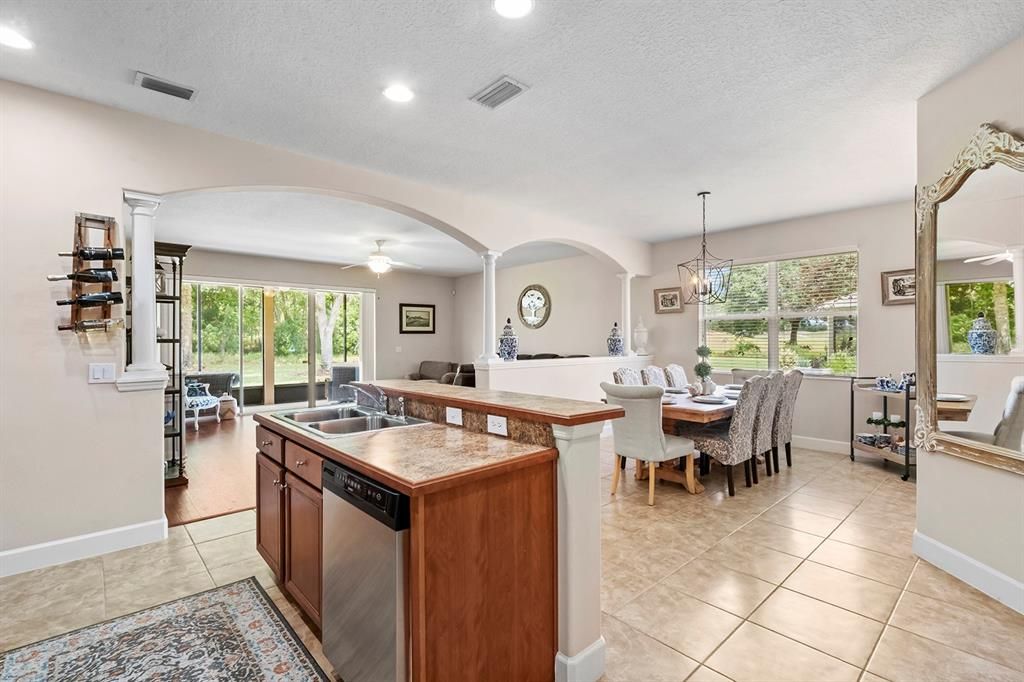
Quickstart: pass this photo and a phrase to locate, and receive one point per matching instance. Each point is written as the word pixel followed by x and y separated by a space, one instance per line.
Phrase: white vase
pixel 640 337
pixel 708 386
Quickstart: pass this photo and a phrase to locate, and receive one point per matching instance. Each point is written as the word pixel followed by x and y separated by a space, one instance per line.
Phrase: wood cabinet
pixel 289 530
pixel 303 544
pixel 270 513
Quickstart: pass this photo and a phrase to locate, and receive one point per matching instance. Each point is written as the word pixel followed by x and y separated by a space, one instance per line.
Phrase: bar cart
pixel 908 456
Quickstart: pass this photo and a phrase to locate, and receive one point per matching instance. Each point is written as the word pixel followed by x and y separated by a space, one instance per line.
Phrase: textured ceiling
pixel 324 228
pixel 780 108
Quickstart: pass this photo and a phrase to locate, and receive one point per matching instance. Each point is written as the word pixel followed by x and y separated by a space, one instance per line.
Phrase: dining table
pixel 681 407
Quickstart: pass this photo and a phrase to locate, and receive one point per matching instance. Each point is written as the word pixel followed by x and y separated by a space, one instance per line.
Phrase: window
pixel 964 301
pixel 799 312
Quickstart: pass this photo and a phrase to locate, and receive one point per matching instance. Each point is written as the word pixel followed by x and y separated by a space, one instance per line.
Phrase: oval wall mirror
pixel 534 306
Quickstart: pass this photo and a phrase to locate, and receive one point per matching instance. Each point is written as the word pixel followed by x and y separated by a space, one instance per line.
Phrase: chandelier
pixel 705 278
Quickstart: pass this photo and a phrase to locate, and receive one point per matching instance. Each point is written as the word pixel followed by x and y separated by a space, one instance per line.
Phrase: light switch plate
pixel 453 415
pixel 497 425
pixel 101 372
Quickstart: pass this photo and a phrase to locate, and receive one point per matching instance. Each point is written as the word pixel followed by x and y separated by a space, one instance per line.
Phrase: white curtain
pixel 941 320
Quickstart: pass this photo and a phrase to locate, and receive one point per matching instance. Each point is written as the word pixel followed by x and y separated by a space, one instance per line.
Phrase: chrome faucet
pixel 380 400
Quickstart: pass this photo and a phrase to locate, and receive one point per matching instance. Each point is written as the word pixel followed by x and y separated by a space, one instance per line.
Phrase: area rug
pixel 234 632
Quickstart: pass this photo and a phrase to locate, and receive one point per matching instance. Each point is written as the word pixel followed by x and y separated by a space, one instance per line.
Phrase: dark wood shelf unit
pixel 170 263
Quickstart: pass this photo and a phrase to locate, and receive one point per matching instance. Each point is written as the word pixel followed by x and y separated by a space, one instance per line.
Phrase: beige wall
pixel 391 289
pixel 974 512
pixel 586 298
pixel 884 239
pixel 100 469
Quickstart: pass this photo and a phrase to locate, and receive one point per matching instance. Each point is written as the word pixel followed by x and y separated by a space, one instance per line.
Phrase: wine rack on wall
pixel 92 288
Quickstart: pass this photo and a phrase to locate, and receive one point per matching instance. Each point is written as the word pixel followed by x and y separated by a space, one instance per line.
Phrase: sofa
pixel 432 370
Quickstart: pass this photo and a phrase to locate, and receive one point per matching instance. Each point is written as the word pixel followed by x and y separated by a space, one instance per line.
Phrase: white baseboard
pixel 995 584
pixel 586 666
pixel 823 444
pixel 31 557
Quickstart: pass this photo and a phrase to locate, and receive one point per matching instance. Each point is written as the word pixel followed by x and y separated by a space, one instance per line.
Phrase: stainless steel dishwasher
pixel 366 539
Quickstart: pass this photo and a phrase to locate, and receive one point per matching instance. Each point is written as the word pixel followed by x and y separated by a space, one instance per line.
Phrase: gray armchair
pixel 464 375
pixel 1009 431
pixel 432 370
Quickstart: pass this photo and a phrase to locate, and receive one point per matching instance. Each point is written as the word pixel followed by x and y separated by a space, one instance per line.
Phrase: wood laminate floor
pixel 221 467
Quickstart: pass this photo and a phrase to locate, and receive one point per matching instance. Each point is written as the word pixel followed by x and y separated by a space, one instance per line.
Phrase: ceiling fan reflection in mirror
pixel 379 262
pixel 992 258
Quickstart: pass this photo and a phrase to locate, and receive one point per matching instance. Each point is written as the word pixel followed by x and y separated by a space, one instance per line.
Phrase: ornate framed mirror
pixel 970 290
pixel 534 306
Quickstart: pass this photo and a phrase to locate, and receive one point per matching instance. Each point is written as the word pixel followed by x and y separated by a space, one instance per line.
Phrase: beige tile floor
pixel 807 576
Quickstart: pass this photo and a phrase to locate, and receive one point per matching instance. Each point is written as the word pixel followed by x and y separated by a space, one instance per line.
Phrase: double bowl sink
pixel 344 420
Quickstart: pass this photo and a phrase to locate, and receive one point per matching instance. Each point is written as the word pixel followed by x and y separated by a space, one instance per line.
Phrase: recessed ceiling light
pixel 398 93
pixel 513 9
pixel 11 38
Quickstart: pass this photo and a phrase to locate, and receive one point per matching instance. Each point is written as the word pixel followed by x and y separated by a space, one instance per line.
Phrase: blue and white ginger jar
pixel 508 342
pixel 616 346
pixel 982 337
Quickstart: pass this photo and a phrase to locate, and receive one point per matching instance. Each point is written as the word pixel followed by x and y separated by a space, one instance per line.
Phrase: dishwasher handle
pixel 378 501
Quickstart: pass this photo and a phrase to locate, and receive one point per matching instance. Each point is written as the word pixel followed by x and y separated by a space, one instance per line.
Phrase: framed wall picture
pixel 668 300
pixel 415 318
pixel 899 287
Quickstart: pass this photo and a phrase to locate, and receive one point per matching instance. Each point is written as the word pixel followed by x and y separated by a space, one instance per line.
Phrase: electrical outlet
pixel 398 349
pixel 453 415
pixel 101 372
pixel 497 425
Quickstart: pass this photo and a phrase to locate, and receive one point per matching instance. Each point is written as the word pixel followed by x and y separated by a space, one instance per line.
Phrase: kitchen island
pixel 504 533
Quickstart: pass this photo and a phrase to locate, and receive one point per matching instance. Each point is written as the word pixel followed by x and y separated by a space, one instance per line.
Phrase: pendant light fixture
pixel 705 279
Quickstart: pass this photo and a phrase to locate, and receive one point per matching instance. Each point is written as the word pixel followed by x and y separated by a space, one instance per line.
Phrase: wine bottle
pixel 89 276
pixel 95 253
pixel 90 325
pixel 93 300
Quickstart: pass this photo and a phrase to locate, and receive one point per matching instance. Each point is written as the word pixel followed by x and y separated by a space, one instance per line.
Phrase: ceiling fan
pixel 379 262
pixel 992 258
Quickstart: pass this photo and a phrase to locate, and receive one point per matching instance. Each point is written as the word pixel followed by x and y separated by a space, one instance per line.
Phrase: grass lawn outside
pixel 288 369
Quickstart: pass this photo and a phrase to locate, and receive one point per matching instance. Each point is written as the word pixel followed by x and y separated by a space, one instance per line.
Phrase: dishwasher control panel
pixel 386 505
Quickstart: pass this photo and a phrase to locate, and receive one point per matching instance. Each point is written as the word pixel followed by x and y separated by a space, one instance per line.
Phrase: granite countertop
pixel 418 459
pixel 525 405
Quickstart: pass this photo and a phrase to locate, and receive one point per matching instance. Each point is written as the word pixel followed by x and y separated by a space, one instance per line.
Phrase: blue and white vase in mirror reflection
pixel 508 342
pixel 982 337
pixel 616 346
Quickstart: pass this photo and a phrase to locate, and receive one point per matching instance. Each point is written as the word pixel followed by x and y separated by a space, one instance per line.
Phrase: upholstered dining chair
pixel 638 435
pixel 782 430
pixel 765 420
pixel 1009 432
pixel 654 376
pixel 676 376
pixel 627 376
pixel 734 445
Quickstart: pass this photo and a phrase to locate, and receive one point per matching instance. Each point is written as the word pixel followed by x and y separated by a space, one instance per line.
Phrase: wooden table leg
pixel 685 477
pixel 615 474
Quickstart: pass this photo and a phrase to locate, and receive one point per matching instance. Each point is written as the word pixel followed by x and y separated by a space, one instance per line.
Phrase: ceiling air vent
pixel 498 92
pixel 144 80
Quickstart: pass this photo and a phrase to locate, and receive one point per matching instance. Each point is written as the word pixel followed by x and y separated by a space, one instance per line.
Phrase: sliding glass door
pixel 271 345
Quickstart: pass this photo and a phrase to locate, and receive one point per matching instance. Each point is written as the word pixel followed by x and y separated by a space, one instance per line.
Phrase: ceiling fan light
pixel 379 264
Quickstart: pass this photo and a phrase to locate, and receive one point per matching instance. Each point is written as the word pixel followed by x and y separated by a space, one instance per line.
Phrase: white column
pixel 146 372
pixel 626 324
pixel 490 323
pixel 1018 298
pixel 581 648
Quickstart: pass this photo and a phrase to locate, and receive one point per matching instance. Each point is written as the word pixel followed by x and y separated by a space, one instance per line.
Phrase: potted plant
pixel 703 370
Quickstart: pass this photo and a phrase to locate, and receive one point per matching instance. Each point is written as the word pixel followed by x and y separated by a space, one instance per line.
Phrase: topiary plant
pixel 703 368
